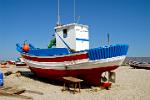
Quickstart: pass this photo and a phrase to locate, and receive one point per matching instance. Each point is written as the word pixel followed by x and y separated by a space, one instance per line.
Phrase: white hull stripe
pixel 78 64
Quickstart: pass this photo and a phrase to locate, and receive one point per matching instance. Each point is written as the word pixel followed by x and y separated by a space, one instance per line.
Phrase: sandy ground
pixel 131 84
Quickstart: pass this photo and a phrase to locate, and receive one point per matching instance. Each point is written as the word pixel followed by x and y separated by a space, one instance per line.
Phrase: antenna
pixel 74 11
pixel 108 38
pixel 78 19
pixel 58 16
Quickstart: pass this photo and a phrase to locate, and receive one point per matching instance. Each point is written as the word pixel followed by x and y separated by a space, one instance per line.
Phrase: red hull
pixel 92 76
pixel 57 59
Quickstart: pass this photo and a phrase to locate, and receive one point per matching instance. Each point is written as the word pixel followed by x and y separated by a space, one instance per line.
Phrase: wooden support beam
pixel 4 93
pixel 36 92
pixel 15 92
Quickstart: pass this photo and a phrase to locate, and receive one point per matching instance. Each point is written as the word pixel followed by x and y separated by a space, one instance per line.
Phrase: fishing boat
pixel 72 56
pixel 11 62
pixel 139 65
pixel 20 62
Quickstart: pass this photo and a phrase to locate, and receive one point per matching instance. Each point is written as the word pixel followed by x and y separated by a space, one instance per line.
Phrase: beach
pixel 131 84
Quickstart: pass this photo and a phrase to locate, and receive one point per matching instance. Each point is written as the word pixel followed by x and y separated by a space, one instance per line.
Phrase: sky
pixel 127 22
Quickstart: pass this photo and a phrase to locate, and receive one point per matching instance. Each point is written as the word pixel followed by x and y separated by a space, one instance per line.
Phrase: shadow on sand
pixel 31 75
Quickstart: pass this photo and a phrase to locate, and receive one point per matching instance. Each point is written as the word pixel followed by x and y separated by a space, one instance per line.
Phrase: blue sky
pixel 127 21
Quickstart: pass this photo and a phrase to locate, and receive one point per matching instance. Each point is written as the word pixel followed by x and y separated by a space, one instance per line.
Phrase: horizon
pixel 127 22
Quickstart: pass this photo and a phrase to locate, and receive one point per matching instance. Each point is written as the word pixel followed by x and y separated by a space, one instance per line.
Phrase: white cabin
pixel 76 36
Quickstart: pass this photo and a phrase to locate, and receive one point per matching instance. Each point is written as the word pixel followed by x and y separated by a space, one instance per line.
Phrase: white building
pixel 76 36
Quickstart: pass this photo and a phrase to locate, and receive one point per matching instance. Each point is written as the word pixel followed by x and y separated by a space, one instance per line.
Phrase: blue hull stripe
pixel 80 39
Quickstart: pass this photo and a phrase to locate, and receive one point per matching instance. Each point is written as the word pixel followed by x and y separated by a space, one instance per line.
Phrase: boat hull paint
pixel 91 76
pixel 90 71
pixel 61 58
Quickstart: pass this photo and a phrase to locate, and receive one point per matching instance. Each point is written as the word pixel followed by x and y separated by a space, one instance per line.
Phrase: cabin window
pixel 64 33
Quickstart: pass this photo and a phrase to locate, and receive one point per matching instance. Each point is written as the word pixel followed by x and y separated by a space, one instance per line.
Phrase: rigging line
pixel 74 12
pixel 64 42
pixel 58 16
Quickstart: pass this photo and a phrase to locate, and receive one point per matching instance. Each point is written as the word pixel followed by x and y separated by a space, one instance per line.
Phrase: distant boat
pixel 11 62
pixel 139 65
pixel 4 63
pixel 20 64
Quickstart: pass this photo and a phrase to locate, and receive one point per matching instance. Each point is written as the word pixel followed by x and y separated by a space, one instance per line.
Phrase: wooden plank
pixel 5 88
pixel 36 92
pixel 72 79
pixel 15 91
pixel 4 93
pixel 12 90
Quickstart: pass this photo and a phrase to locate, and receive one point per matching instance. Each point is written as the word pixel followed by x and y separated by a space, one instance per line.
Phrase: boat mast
pixel 74 14
pixel 58 14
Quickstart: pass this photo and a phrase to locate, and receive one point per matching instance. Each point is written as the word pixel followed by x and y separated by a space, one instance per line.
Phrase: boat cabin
pixel 76 36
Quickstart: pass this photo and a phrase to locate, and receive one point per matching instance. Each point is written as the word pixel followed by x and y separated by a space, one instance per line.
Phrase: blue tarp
pixel 1 79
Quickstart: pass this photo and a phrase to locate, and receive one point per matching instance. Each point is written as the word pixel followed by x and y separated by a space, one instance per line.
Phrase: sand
pixel 131 84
